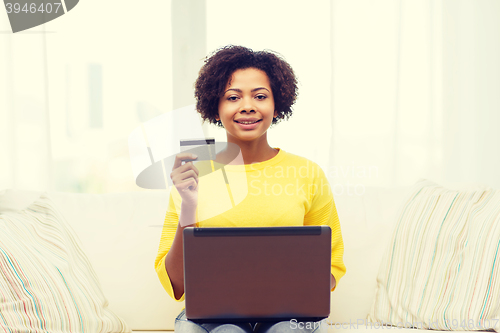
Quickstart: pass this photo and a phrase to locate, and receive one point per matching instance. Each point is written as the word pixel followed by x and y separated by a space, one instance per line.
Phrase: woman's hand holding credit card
pixel 185 178
pixel 185 175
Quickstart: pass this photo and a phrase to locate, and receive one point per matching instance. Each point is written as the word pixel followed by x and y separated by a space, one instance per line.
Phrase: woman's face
pixel 247 107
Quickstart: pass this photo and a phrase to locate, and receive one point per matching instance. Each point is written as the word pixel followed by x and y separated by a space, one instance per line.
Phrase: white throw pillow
pixel 47 283
pixel 442 268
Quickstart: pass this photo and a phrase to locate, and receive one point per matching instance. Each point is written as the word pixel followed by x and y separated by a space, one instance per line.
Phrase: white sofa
pixel 120 234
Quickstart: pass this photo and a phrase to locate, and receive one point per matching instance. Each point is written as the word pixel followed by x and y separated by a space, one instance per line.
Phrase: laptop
pixel 257 274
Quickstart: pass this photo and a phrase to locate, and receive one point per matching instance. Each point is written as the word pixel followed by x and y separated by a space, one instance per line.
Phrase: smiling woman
pixel 246 92
pixel 237 87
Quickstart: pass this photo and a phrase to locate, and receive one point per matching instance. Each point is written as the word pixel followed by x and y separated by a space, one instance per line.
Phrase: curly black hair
pixel 222 63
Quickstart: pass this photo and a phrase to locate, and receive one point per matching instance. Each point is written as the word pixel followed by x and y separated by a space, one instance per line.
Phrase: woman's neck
pixel 257 154
pixel 249 152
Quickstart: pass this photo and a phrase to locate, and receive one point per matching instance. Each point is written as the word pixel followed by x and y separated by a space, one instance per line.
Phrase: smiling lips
pixel 247 121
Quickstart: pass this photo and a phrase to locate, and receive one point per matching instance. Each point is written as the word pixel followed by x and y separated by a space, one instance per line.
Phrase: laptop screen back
pixel 257 274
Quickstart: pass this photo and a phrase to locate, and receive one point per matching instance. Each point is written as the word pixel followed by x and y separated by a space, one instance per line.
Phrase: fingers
pixel 184 183
pixel 184 168
pixel 189 184
pixel 181 157
pixel 185 175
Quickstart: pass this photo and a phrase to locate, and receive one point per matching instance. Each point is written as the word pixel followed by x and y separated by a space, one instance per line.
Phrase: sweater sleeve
pixel 323 212
pixel 167 238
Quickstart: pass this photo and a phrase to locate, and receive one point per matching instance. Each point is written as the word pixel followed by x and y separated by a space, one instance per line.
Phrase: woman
pixel 246 92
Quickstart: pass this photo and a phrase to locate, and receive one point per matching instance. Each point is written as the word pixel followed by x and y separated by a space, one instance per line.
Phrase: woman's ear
pixel 275 114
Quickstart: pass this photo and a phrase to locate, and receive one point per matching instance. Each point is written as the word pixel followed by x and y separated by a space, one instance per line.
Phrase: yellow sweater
pixel 287 190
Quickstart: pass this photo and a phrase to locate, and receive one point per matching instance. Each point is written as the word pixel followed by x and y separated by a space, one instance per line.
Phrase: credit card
pixel 203 148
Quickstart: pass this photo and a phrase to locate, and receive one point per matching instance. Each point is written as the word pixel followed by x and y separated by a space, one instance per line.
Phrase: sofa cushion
pixel 47 282
pixel 120 233
pixel 441 270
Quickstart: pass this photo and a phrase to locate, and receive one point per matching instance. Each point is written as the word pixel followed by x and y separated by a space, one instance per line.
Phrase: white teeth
pixel 247 122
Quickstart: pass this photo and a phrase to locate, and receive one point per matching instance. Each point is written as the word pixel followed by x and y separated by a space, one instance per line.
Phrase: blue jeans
pixel 184 325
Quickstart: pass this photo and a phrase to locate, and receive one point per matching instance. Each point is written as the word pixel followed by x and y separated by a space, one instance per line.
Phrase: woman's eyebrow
pixel 239 90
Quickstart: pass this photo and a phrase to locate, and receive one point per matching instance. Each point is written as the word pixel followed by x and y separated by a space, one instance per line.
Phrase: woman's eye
pixel 261 96
pixel 232 98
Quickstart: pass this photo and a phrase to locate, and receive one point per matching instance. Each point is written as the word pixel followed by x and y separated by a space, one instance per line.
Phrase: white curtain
pixel 73 89
pixel 386 84
pixel 416 91
pixel 471 91
pixel 390 90
pixel 24 119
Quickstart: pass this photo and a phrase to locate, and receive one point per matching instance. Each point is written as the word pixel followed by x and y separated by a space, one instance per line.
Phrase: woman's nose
pixel 247 105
